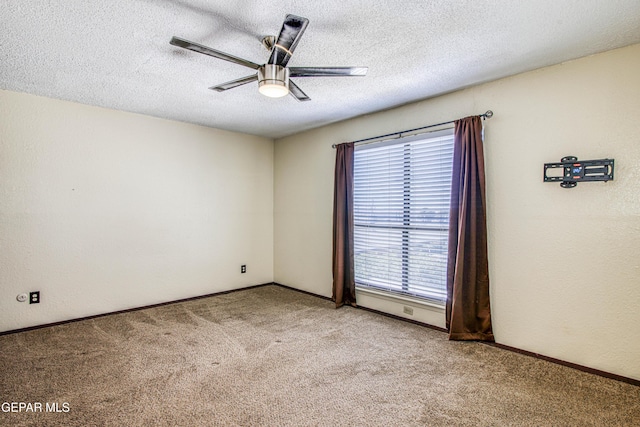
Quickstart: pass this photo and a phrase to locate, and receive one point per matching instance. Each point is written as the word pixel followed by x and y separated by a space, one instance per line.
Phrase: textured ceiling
pixel 116 54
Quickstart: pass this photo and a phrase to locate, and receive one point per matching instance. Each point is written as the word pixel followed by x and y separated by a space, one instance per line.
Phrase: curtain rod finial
pixel 488 114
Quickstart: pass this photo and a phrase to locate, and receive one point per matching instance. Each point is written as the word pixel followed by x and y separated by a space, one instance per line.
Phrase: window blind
pixel 401 214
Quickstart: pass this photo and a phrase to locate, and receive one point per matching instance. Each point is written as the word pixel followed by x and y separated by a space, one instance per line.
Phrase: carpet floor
pixel 270 356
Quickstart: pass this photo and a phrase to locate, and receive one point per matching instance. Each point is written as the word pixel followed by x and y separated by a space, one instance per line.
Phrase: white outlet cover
pixel 22 297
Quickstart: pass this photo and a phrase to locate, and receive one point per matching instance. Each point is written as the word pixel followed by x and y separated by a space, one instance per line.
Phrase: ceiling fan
pixel 274 76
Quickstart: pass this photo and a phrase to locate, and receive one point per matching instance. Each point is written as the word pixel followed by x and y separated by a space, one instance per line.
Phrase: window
pixel 402 191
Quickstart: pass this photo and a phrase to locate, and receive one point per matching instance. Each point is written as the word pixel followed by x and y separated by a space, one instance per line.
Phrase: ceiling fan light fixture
pixel 276 89
pixel 273 80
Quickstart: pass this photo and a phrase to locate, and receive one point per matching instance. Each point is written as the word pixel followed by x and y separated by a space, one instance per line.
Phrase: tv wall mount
pixel 576 171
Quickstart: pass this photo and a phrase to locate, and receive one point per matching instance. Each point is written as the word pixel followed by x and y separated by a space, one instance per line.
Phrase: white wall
pixel 564 264
pixel 102 210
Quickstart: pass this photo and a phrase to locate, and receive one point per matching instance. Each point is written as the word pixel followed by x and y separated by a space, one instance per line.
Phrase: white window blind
pixel 401 214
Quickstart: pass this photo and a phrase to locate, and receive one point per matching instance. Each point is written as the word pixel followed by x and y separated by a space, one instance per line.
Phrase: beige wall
pixel 564 264
pixel 102 210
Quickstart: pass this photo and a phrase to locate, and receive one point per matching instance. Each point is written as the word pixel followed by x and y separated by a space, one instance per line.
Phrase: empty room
pixel 303 213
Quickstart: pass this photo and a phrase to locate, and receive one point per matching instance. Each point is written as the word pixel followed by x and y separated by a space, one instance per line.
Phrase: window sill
pixel 433 305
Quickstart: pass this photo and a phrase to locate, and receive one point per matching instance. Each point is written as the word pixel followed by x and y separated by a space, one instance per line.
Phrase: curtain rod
pixel 486 115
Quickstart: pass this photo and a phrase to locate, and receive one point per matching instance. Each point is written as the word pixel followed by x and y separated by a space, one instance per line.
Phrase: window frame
pixel 422 294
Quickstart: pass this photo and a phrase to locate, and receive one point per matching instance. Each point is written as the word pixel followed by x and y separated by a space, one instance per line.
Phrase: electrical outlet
pixel 408 310
pixel 243 269
pixel 34 297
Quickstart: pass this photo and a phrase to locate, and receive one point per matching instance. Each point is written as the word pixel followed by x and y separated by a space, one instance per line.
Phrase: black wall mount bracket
pixel 575 171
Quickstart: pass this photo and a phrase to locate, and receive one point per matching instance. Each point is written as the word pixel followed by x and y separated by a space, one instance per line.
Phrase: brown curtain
pixel 468 313
pixel 344 286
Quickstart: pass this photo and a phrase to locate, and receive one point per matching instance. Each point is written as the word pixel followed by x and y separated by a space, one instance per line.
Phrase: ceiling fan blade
pixel 297 93
pixel 234 83
pixel 290 35
pixel 177 41
pixel 327 71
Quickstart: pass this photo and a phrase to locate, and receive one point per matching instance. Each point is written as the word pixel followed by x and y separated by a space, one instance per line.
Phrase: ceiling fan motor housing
pixel 273 78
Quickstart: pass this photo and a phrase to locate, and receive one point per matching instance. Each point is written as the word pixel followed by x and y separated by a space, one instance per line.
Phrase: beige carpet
pixel 270 356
